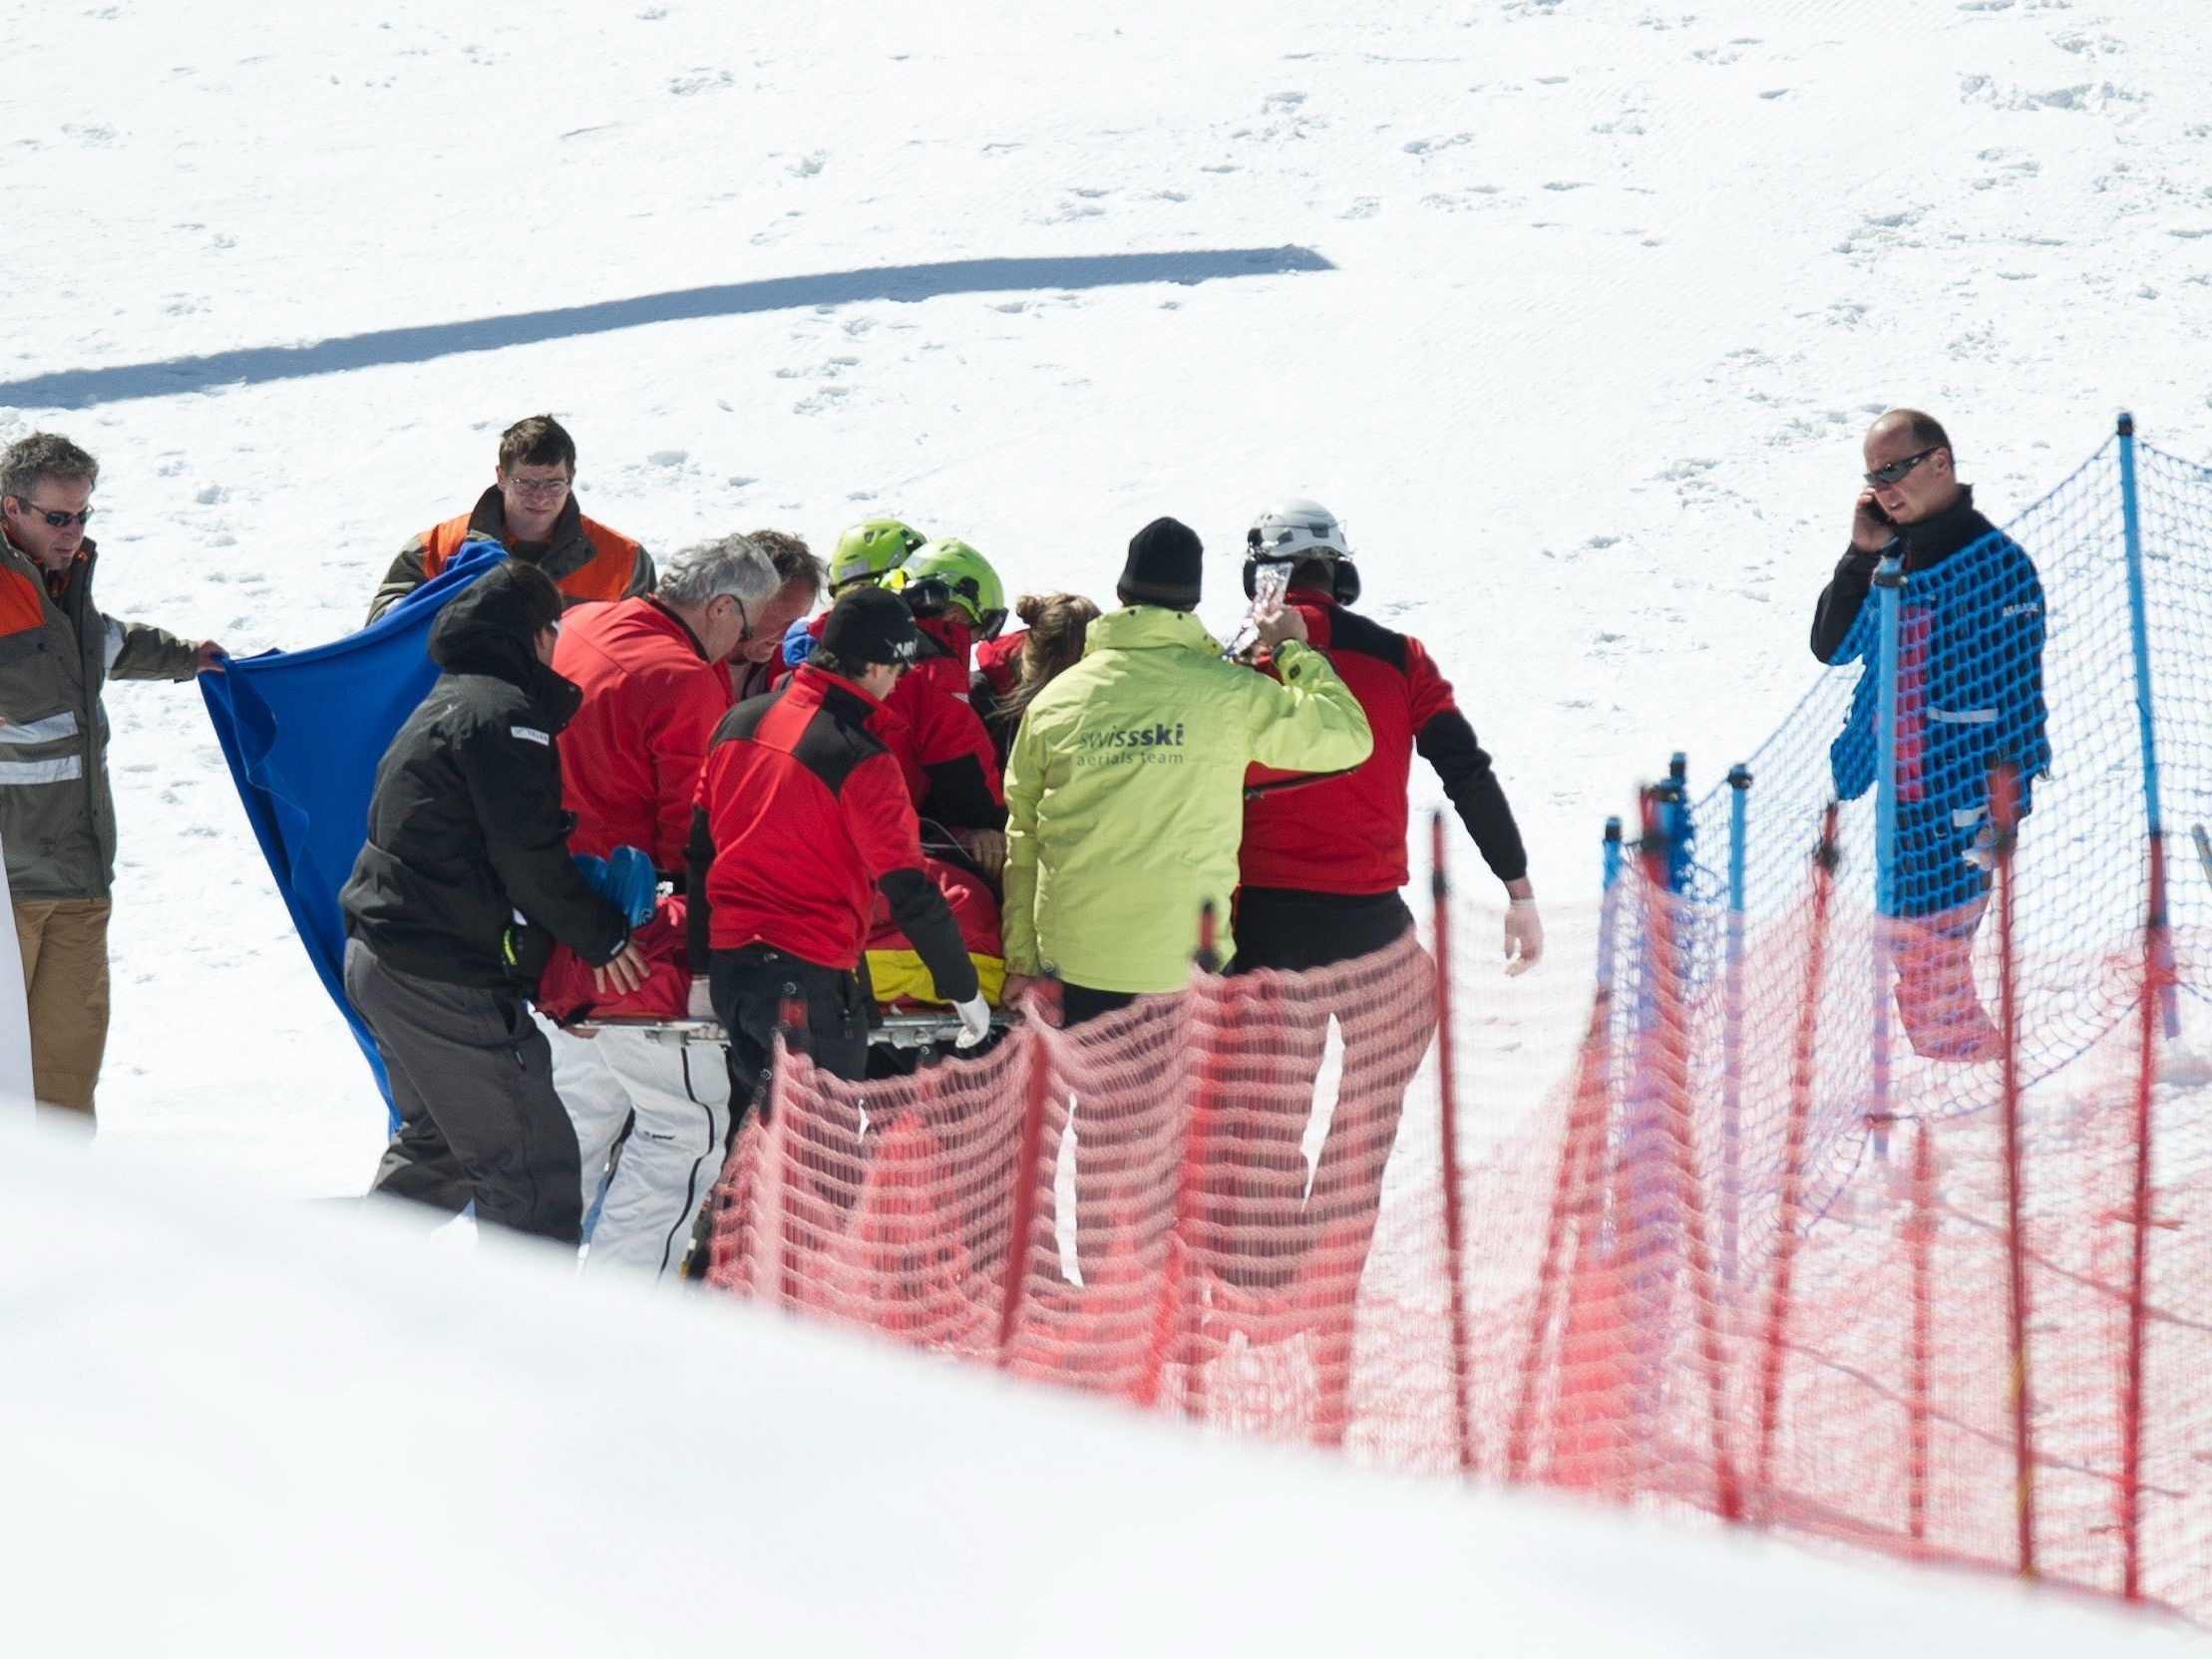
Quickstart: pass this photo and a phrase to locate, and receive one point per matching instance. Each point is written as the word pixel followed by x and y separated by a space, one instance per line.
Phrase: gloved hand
pixel 974 1021
pixel 1524 936
pixel 799 644
pixel 1982 855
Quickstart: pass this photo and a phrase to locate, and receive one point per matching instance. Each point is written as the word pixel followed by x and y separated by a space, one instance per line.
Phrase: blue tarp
pixel 303 732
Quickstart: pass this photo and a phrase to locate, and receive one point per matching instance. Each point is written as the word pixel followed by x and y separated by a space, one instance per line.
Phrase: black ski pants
pixel 472 1080
pixel 750 987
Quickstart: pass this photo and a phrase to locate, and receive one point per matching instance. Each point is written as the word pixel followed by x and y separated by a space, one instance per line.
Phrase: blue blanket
pixel 303 732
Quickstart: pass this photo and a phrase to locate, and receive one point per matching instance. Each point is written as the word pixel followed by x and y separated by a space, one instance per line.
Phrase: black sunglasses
pixel 54 518
pixel 1892 470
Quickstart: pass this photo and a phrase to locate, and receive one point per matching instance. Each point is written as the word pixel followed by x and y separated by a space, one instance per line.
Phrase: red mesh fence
pixel 1693 1276
pixel 1889 1228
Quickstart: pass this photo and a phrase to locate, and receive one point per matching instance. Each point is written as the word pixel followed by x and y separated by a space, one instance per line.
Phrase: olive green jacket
pixel 1125 801
pixel 57 816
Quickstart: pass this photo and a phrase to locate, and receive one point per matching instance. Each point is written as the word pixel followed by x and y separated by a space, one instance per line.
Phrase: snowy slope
pixel 232 1431
pixel 1573 309
pixel 1599 295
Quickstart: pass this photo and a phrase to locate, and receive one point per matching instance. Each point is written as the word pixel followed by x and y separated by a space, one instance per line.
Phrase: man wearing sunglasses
pixel 56 817
pixel 530 510
pixel 655 677
pixel 1969 698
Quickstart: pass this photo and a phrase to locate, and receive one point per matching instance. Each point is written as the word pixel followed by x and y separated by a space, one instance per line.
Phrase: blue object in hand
pixel 626 879
pixel 798 643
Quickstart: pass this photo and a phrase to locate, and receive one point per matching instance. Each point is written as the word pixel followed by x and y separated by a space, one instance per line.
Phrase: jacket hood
pixel 489 628
pixel 1149 628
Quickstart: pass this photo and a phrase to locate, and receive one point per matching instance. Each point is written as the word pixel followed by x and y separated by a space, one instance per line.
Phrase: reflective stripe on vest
pixel 42 771
pixel 63 725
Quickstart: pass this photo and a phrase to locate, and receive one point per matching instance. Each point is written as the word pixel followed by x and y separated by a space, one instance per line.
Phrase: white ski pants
pixel 675 1100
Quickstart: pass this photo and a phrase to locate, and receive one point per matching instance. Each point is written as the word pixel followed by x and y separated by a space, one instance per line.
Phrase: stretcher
pixel 895 1030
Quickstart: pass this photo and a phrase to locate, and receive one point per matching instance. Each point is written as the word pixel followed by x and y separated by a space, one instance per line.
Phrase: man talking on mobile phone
pixel 1969 697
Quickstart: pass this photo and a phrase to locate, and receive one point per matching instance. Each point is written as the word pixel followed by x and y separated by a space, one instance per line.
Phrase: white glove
pixel 1524 936
pixel 699 1006
pixel 974 1021
pixel 1982 855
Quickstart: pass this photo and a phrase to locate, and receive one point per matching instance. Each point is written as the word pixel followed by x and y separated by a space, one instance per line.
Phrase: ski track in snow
pixel 1615 290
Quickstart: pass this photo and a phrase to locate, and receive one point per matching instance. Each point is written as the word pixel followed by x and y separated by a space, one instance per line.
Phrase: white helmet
pixel 1294 527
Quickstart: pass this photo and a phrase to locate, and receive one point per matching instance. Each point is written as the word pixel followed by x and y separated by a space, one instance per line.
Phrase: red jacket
pixel 1347 833
pixel 952 765
pixel 802 815
pixel 630 757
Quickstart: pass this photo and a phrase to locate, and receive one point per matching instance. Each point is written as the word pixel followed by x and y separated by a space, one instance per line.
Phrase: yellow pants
pixel 65 982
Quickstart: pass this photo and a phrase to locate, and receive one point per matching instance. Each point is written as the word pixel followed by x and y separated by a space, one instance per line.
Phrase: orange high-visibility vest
pixel 605 575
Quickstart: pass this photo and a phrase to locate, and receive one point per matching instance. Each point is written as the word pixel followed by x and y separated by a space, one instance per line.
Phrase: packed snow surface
pixel 240 1429
pixel 1572 310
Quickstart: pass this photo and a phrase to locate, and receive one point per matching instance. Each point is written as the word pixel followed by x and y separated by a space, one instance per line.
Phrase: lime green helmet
pixel 871 550
pixel 947 573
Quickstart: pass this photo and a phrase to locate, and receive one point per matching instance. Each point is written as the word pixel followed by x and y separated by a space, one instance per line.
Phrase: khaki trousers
pixel 65 982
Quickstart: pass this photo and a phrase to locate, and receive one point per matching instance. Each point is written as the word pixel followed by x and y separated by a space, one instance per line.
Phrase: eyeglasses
pixel 53 517
pixel 536 489
pixel 1891 471
pixel 744 616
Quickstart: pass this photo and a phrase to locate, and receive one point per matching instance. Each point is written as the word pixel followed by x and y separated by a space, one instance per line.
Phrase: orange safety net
pixel 1754 1257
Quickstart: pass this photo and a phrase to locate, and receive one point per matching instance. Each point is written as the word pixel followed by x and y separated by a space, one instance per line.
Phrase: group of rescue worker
pixel 886 801
pixel 667 793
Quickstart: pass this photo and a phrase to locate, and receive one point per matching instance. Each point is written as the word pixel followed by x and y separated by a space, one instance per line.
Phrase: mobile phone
pixel 1875 513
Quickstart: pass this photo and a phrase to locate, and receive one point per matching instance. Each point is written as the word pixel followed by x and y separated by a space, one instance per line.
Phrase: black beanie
pixel 867 626
pixel 1163 567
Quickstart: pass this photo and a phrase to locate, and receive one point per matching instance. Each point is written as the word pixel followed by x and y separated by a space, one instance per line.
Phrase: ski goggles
pixel 929 597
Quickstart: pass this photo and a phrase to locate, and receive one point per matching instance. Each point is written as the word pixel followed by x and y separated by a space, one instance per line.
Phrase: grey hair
pixel 707 569
pixel 43 454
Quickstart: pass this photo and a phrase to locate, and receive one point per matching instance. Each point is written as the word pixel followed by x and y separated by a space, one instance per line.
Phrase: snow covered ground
pixel 1574 310
pixel 242 1429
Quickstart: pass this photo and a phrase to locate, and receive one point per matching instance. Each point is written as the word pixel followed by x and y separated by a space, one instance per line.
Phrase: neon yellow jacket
pixel 1125 794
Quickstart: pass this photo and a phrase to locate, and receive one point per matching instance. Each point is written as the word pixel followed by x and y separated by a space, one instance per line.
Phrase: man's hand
pixel 623 975
pixel 1279 622
pixel 1524 936
pixel 974 1021
pixel 203 659
pixel 1871 528
pixel 987 847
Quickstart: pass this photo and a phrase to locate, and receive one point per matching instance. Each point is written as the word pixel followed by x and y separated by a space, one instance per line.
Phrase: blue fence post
pixel 1732 1049
pixel 2138 622
pixel 1889 583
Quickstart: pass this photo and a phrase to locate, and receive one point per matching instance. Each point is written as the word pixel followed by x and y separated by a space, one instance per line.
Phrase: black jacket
pixel 466 829
pixel 1920 546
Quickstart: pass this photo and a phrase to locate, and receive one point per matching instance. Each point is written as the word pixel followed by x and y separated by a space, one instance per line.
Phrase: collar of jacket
pixel 696 644
pixel 1932 541
pixel 1000 661
pixel 1321 614
pixel 568 549
pixel 1150 629
pixel 87 549
pixel 836 694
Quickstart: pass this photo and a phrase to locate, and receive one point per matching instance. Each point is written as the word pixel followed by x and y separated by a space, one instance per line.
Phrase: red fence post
pixel 1923 1225
pixel 1803 1052
pixel 2004 822
pixel 2157 972
pixel 1673 1051
pixel 1019 1245
pixel 1455 1231
pixel 1169 1322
